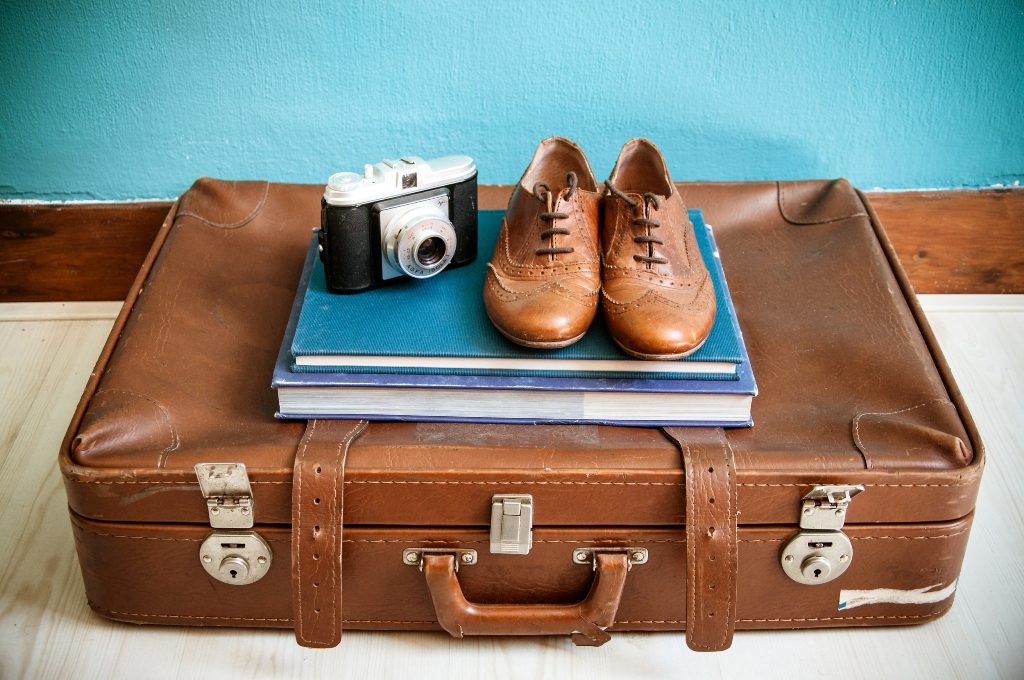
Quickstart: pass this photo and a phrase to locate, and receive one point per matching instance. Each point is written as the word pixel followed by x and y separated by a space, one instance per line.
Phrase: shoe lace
pixel 643 220
pixel 542 191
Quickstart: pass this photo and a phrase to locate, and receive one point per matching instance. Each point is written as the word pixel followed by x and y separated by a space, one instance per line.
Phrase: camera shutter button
pixel 345 181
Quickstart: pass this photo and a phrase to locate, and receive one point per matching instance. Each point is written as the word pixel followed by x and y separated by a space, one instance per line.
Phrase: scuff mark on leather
pixel 848 599
pixel 165 415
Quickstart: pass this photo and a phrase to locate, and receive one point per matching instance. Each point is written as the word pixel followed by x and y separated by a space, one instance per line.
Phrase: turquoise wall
pixel 117 99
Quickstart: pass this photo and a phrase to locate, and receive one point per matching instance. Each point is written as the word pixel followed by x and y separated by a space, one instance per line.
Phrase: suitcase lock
pixel 820 552
pixel 231 556
pixel 511 524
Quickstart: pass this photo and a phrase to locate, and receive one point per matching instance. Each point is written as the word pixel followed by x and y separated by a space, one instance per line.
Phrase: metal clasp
pixel 511 524
pixel 228 494
pixel 820 552
pixel 824 508
pixel 232 556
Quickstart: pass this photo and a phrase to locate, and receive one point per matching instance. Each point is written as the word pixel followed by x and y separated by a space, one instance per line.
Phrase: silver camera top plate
pixel 391 178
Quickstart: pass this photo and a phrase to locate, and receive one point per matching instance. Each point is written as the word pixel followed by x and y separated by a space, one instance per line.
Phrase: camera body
pixel 406 217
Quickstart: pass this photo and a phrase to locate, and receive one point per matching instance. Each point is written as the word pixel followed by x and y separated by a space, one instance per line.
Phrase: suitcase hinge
pixel 634 556
pixel 824 508
pixel 820 552
pixel 414 556
pixel 229 555
pixel 228 495
pixel 511 524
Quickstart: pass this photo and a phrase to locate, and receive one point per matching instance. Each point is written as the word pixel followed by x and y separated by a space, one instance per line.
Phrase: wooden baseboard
pixel 964 241
pixel 968 241
pixel 74 252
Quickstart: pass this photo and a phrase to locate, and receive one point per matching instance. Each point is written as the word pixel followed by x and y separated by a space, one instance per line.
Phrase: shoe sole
pixel 661 357
pixel 534 344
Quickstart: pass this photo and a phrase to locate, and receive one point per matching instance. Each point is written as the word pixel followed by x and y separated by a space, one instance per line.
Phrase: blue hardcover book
pixel 627 394
pixel 439 326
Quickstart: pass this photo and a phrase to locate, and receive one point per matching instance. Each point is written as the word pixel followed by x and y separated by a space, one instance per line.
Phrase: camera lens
pixel 430 252
pixel 419 241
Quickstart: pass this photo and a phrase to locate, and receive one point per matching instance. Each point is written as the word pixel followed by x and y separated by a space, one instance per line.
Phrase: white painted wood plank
pixel 47 630
pixel 971 303
pixel 53 311
pixel 43 369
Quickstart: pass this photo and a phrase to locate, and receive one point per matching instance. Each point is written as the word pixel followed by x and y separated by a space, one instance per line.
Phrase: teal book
pixel 438 326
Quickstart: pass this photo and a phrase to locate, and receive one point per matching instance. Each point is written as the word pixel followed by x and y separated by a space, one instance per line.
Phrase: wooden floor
pixel 47 631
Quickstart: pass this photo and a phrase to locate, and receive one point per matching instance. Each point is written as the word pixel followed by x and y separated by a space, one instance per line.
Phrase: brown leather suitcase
pixel 418 524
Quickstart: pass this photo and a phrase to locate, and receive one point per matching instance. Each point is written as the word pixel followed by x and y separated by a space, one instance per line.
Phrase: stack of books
pixel 426 351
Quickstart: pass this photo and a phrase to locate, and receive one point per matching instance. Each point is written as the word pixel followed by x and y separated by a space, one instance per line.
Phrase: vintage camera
pixel 405 217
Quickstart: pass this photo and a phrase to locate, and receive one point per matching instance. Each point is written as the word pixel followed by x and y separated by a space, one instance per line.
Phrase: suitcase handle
pixel 584 621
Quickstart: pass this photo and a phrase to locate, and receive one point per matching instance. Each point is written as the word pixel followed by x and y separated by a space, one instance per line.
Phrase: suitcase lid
pixel 853 388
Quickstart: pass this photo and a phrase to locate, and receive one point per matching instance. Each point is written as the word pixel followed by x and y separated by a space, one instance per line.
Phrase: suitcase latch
pixel 820 552
pixel 228 495
pixel 511 524
pixel 228 554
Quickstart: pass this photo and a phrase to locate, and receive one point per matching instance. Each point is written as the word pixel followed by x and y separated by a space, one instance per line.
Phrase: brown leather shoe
pixel 657 297
pixel 542 284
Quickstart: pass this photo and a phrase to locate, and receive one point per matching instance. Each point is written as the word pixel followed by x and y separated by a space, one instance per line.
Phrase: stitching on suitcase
pixel 691 533
pixel 385 481
pixel 141 538
pixel 730 517
pixel 960 482
pixel 460 542
pixel 865 538
pixel 506 483
pixel 655 621
pixel 205 618
pixel 234 225
pixel 798 620
pixel 170 481
pixel 416 540
pixel 891 617
pixel 241 618
pixel 298 527
pixel 609 541
pixel 856 422
pixel 341 456
pixel 385 621
pixel 729 621
pixel 908 538
pixel 339 464
pixel 163 538
pixel 783 211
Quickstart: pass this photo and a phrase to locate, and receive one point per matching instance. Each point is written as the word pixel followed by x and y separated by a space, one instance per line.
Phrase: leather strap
pixel 318 506
pixel 711 549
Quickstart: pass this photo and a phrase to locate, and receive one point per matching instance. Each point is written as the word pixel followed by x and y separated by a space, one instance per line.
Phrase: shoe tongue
pixel 634 193
pixel 642 201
